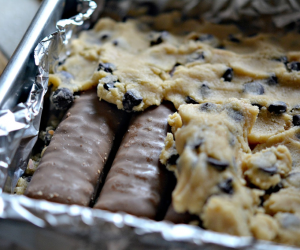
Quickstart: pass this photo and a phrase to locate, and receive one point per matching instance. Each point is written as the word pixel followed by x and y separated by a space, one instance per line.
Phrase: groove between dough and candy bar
pixel 71 165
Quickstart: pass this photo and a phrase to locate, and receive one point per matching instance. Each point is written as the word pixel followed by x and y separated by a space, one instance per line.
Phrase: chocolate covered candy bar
pixel 135 182
pixel 71 165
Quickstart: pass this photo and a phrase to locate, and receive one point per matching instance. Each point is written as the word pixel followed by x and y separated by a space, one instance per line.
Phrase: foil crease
pixel 19 129
pixel 282 12
pixel 97 229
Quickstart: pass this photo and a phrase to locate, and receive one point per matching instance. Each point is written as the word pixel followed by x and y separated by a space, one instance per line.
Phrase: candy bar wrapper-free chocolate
pixel 28 224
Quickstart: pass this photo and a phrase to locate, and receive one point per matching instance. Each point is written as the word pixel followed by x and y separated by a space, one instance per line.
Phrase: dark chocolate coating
pixel 71 165
pixel 134 184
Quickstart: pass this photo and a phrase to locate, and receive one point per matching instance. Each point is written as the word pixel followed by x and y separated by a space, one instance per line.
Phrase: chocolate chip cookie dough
pixel 219 178
pixel 235 141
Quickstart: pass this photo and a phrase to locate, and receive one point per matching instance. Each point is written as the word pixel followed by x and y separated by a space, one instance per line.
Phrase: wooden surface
pixel 3 62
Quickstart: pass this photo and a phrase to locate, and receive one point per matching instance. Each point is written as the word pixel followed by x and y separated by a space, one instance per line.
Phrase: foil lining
pixel 19 128
pixel 281 12
pixel 97 229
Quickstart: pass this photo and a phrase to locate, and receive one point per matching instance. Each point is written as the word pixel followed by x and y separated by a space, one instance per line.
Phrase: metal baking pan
pixel 36 224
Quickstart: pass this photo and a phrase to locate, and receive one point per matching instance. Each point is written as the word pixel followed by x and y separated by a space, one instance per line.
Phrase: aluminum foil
pixel 96 229
pixel 281 12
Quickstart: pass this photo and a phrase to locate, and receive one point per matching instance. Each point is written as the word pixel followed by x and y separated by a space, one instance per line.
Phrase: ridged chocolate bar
pixel 71 165
pixel 135 182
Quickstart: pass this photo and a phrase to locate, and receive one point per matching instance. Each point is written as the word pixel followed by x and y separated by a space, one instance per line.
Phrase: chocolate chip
pixel 109 85
pixel 216 164
pixel 282 59
pixel 208 106
pixel 252 34
pixel 232 38
pixel 296 120
pixel 274 189
pixel 130 100
pixel 226 186
pixel 228 75
pixel 196 56
pixel 160 38
pixel 272 80
pixel 269 170
pixel 257 105
pixel 236 115
pixel 173 159
pixel 62 98
pixel 254 88
pixel 205 90
pixel 198 143
pixel 107 67
pixel 277 107
pixel 205 37
pixel 173 69
pixel 47 138
pixel 61 62
pixel 220 47
pixel 293 66
pixel 190 100
pixel 109 81
pixel 104 37
pixel 28 178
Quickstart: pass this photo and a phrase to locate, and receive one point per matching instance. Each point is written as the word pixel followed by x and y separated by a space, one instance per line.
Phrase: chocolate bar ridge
pixel 71 165
pixel 135 182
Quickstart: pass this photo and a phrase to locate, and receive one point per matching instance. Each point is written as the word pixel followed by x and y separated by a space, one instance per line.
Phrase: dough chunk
pixel 290 139
pixel 208 142
pixel 289 228
pixel 287 200
pixel 231 213
pixel 268 124
pixel 264 227
pixel 265 169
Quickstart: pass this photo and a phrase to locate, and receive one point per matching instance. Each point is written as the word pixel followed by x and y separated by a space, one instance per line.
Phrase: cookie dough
pixel 264 227
pixel 289 138
pixel 289 228
pixel 183 62
pixel 264 169
pixel 208 139
pixel 234 146
pixel 220 179
pixel 286 200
